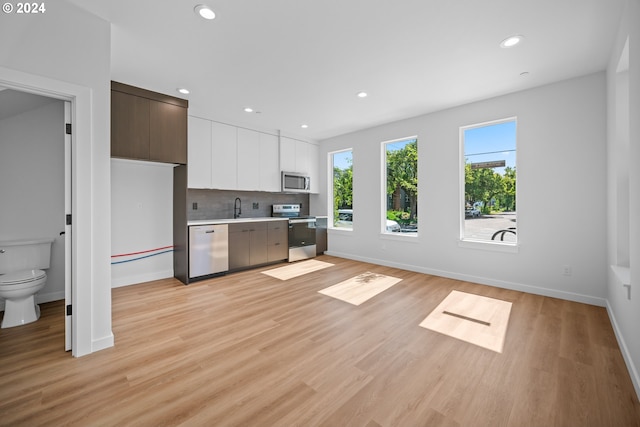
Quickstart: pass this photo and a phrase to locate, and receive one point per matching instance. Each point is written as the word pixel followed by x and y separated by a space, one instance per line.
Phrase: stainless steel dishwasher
pixel 208 250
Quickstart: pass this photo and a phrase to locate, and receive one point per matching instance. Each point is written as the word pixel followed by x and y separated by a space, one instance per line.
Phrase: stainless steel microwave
pixel 295 182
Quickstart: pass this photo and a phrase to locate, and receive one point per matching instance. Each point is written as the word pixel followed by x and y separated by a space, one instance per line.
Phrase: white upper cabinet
pixel 224 141
pixel 300 156
pixel 258 164
pixel 303 157
pixel 248 162
pixel 313 153
pixel 199 153
pixel 226 157
pixel 269 163
pixel 211 154
pixel 288 154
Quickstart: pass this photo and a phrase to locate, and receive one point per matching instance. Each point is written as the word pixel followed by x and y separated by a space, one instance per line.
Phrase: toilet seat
pixel 22 276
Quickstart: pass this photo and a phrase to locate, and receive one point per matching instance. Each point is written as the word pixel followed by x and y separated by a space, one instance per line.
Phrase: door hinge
pixel 69 310
pixel 68 219
pixel 68 129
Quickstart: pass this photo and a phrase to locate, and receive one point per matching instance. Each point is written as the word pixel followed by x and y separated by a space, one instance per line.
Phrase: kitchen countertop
pixel 232 220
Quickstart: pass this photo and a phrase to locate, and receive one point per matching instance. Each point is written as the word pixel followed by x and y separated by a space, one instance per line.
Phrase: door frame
pixel 79 97
pixel 68 229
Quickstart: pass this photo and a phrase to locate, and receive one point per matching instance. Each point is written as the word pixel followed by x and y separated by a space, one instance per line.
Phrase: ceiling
pixel 303 61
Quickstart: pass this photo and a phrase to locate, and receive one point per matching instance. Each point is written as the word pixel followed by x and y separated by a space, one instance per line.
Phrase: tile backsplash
pixel 218 204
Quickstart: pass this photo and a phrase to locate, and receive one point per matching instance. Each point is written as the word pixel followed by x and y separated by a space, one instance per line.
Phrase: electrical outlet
pixel 194 206
pixel 566 270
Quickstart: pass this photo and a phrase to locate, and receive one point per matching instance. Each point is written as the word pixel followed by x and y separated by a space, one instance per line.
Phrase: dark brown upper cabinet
pixel 148 125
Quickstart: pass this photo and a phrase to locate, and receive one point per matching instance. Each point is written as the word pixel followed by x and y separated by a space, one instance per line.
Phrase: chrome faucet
pixel 237 207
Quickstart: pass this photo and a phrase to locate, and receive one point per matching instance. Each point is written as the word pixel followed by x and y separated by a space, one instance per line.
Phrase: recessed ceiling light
pixel 511 41
pixel 362 94
pixel 304 126
pixel 204 11
pixel 248 110
pixel 183 91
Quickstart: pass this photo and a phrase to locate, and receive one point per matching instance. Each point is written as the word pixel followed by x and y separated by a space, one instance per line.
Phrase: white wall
pixel 141 220
pixel 561 193
pixel 623 153
pixel 66 53
pixel 32 185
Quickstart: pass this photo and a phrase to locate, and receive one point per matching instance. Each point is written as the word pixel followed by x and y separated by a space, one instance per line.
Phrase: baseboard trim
pixel 51 296
pixel 585 299
pixel 102 343
pixel 631 367
pixel 140 278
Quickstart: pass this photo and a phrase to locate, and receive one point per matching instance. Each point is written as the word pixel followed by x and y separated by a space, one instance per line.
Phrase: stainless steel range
pixel 302 231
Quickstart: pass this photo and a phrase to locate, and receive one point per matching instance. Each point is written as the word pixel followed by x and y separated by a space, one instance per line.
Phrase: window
pixel 342 189
pixel 489 190
pixel 400 186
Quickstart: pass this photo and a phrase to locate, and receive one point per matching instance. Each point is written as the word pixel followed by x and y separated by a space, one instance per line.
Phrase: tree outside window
pixel 342 184
pixel 489 152
pixel 401 182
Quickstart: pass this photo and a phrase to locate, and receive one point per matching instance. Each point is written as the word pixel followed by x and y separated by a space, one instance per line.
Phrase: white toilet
pixel 21 277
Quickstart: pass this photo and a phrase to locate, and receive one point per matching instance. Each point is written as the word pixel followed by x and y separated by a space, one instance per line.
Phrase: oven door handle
pixel 301 220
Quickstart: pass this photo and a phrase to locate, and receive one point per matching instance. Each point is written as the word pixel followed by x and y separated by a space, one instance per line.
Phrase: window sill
pixel 489 246
pixel 404 237
pixel 623 274
pixel 340 230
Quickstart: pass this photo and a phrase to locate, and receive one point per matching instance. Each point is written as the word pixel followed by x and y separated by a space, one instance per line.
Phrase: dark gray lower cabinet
pixel 239 243
pixel 255 243
pixel 277 241
pixel 238 246
pixel 321 235
pixel 258 243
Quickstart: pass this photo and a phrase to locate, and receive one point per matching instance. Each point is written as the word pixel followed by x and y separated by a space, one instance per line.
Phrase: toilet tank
pixel 25 254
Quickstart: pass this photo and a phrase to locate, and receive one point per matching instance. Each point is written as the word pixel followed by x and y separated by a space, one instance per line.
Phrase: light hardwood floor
pixel 248 349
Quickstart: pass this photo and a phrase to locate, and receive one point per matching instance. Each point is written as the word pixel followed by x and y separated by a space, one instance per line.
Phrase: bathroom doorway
pixel 35 165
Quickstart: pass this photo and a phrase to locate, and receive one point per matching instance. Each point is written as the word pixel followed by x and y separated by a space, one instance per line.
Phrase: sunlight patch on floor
pixel 360 288
pixel 478 320
pixel 297 269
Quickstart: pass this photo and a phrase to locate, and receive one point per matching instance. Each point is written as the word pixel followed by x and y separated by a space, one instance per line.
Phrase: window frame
pixel 498 246
pixel 330 191
pixel 383 190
